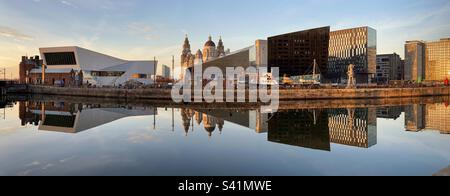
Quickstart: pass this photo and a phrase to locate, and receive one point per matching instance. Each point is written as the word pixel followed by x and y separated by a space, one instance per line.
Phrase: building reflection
pixel 437 117
pixel 210 123
pixel 432 117
pixel 315 129
pixel 414 117
pixel 353 127
pixel 74 118
pixel 4 103
pixel 393 112
pixel 311 128
pixel 302 128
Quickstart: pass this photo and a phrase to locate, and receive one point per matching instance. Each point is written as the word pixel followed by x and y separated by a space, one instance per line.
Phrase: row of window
pixel 107 73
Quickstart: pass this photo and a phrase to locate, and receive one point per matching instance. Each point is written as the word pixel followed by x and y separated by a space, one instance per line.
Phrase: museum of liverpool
pixel 67 66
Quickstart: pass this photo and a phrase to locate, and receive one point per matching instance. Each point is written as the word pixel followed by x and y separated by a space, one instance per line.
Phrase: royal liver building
pixel 210 52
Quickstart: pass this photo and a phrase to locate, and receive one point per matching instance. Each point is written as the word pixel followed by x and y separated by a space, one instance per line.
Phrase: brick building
pixel 26 65
pixel 30 72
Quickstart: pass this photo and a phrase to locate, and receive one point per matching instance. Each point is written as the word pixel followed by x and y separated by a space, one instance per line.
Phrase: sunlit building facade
pixel 415 60
pixel 251 56
pixel 356 46
pixel 63 63
pixel 437 60
pixel 428 61
pixel 210 52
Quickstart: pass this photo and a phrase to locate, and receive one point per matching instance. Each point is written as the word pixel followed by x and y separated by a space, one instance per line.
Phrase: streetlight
pixel 4 73
pixel 173 68
pixel 154 71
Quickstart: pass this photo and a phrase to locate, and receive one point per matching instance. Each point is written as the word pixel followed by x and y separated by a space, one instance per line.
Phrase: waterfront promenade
pixel 283 105
pixel 285 94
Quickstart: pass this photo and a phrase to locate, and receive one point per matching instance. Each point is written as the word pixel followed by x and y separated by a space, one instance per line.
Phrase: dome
pixel 210 130
pixel 210 43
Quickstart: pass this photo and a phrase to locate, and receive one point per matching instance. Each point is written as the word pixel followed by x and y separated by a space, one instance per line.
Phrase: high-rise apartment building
pixel 437 60
pixel 165 71
pixel 427 60
pixel 389 67
pixel 415 60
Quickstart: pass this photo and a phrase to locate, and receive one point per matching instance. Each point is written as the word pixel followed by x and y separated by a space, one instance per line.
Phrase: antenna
pixel 154 71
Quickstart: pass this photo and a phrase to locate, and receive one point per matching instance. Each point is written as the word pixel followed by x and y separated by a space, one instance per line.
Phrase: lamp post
pixel 173 68
pixel 154 71
pixel 4 74
pixel 43 75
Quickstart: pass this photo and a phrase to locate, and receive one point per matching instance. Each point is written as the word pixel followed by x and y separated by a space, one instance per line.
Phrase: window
pixel 107 74
pixel 140 76
pixel 60 58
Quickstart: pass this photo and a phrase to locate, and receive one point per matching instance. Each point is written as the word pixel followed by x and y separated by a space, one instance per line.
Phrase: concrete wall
pixel 303 94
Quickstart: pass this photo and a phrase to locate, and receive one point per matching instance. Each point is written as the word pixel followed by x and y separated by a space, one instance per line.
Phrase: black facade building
pixel 294 53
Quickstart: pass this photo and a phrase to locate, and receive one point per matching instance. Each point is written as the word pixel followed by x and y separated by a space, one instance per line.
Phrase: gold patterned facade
pixel 353 127
pixel 427 60
pixel 356 46
pixel 438 118
pixel 438 60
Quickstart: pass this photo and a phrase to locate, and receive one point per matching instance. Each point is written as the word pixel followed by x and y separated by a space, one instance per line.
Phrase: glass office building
pixel 294 53
pixel 356 46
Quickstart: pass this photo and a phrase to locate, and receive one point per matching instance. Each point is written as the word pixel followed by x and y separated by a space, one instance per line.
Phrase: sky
pixel 142 29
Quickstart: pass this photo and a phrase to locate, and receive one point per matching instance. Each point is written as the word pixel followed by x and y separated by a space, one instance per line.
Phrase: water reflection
pixel 307 128
pixel 74 117
pixel 4 103
pixel 428 117
pixel 44 135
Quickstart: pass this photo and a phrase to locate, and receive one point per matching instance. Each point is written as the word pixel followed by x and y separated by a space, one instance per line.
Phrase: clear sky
pixel 141 29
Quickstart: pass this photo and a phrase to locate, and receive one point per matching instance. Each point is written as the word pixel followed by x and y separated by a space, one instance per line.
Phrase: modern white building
pixel 98 69
pixel 86 119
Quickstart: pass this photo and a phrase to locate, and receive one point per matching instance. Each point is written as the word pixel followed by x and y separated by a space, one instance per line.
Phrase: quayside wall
pixel 285 94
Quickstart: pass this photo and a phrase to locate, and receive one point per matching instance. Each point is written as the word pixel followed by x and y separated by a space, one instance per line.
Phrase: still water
pixel 61 137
